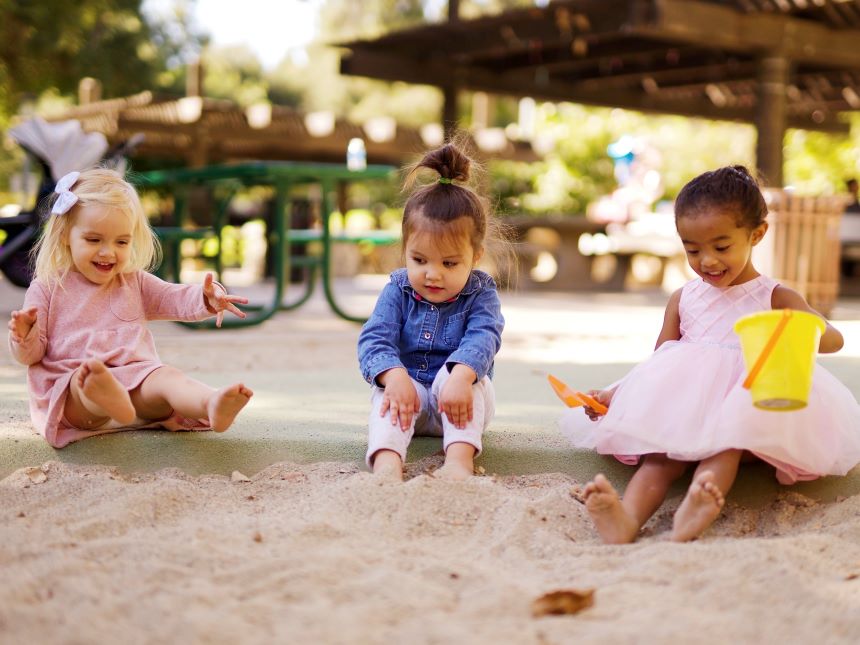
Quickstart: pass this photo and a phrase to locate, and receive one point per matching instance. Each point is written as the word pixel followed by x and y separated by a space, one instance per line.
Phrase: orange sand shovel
pixel 573 398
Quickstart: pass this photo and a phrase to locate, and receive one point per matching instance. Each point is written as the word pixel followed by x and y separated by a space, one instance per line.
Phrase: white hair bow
pixel 65 197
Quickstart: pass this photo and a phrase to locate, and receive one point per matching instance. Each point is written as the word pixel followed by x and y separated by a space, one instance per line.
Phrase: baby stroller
pixel 58 148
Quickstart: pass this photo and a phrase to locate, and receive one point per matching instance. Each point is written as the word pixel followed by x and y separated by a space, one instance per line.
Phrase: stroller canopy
pixel 63 146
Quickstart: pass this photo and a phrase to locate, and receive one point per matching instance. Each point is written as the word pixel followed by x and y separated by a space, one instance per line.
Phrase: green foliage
pixel 47 46
pixel 55 43
pixel 819 163
pixel 578 168
pixel 234 73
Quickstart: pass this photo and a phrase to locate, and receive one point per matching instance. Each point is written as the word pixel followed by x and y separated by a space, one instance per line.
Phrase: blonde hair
pixel 107 188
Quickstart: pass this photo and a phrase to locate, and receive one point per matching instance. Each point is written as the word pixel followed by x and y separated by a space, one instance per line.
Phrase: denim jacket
pixel 407 331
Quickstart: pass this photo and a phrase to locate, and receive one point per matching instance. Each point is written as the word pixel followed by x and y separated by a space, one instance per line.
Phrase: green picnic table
pixel 225 181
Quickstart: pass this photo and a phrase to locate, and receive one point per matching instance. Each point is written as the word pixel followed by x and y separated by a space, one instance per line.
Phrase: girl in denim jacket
pixel 428 347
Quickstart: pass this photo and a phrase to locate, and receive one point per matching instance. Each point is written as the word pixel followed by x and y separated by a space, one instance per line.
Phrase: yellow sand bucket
pixel 779 352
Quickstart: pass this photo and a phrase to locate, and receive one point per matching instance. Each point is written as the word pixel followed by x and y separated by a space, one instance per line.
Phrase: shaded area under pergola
pixel 777 64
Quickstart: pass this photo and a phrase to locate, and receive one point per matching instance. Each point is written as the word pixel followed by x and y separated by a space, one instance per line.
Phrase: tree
pixel 47 46
pixel 54 43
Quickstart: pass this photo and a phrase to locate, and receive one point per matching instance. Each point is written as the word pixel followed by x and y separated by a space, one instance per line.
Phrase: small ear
pixel 758 233
pixel 478 255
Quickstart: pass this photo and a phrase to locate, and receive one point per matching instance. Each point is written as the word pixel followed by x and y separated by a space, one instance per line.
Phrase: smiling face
pixel 100 242
pixel 438 269
pixel 718 249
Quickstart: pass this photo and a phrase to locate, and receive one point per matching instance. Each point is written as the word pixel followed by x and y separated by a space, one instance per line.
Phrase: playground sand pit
pixel 323 552
pixel 327 553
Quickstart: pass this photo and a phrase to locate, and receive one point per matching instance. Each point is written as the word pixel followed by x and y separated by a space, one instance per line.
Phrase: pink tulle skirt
pixel 687 401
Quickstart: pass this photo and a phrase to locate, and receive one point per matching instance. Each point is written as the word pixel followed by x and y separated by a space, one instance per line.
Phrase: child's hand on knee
pixel 218 300
pixel 455 399
pixel 400 397
pixel 21 323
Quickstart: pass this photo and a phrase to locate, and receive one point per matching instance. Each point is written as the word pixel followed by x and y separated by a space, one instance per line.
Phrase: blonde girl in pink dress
pixel 92 364
pixel 686 405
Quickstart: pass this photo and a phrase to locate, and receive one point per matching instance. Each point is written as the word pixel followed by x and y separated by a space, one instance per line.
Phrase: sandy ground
pixel 326 554
pixel 322 552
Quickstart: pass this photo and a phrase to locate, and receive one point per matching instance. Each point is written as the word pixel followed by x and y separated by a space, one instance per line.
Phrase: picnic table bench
pixel 228 179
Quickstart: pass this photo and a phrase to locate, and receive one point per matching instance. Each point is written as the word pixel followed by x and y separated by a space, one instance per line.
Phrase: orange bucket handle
pixel 768 348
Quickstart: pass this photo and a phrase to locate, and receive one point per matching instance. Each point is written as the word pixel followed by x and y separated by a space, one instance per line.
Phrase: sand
pixel 325 553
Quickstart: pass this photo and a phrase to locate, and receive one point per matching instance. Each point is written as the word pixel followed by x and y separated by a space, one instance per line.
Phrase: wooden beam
pixel 551 89
pixel 721 27
pixel 510 31
pixel 673 76
pixel 563 59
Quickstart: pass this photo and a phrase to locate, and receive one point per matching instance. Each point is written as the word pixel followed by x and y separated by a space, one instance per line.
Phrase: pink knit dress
pixel 687 401
pixel 79 320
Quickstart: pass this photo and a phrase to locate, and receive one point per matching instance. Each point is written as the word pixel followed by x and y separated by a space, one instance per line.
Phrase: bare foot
pixel 388 465
pixel 700 508
pixel 610 519
pixel 225 404
pixel 453 470
pixel 99 387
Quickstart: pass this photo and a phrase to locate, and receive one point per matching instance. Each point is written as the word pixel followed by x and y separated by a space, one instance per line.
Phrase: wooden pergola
pixel 194 131
pixel 777 64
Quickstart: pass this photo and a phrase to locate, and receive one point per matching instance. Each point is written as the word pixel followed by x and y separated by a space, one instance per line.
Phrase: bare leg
pixel 95 396
pixel 388 464
pixel 712 480
pixel 619 520
pixel 459 462
pixel 168 390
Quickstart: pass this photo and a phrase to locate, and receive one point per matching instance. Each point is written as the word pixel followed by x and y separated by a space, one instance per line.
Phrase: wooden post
pixel 89 91
pixel 771 117
pixel 449 110
pixel 198 153
pixel 194 79
pixel 450 90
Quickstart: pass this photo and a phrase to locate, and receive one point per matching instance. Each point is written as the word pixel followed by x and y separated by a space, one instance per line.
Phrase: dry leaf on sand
pixel 239 477
pixel 37 475
pixel 563 601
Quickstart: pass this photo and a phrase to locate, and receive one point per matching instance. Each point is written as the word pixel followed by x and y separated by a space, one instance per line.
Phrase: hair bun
pixel 449 162
pixel 744 173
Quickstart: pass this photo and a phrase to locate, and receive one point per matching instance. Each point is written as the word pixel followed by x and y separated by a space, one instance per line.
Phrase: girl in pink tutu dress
pixel 82 330
pixel 686 404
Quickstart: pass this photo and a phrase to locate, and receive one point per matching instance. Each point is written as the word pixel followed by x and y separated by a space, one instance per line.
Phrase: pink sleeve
pixel 32 348
pixel 168 301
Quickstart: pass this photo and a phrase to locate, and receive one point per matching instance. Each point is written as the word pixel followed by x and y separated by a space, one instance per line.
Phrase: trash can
pixel 802 247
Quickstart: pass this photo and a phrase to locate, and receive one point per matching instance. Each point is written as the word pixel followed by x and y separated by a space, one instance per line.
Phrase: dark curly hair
pixel 730 190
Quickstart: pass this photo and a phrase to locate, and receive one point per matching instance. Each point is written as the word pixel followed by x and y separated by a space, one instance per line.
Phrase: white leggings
pixel 429 422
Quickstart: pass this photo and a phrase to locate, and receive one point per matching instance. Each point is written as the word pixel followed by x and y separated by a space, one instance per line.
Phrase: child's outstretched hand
pixel 455 399
pixel 400 397
pixel 21 323
pixel 218 300
pixel 604 397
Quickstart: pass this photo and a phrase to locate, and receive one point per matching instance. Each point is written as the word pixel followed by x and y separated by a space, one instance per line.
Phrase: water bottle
pixel 356 155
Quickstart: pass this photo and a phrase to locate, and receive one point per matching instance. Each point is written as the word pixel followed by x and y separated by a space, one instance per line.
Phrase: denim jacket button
pixel 427 335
